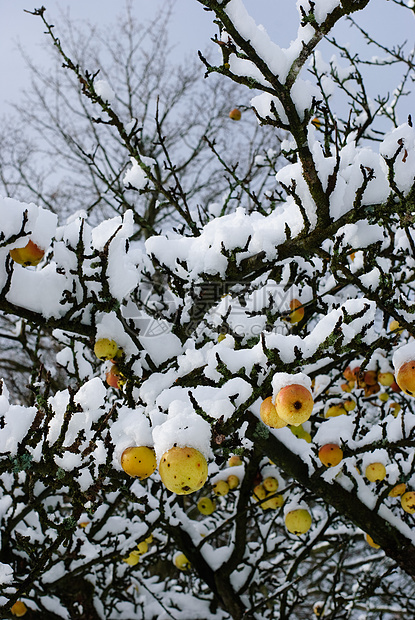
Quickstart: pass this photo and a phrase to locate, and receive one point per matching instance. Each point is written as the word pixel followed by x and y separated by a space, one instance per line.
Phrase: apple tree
pixel 236 435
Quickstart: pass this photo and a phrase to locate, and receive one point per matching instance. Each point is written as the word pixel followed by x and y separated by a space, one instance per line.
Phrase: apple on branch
pixel 28 256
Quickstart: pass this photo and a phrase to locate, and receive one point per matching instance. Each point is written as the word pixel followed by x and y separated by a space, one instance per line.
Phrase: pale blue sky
pixel 191 28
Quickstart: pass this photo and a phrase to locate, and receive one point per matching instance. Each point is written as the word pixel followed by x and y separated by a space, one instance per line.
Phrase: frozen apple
pixel 386 378
pixel 408 502
pixel 183 470
pixel 259 492
pixel 294 404
pixel 205 506
pixel 298 521
pixel 139 461
pixel 330 454
pixel 269 415
pixel 142 547
pixel 405 377
pixel 375 472
pixel 105 349
pixel 273 502
pixel 335 410
pixel 234 461
pixel 28 256
pixel 301 433
pixel 133 558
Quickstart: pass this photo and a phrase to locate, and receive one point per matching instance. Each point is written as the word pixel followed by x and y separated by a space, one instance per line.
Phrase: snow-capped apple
pixel 183 470
pixel 221 487
pixel 270 484
pixel 297 311
pixel 349 404
pixel 114 377
pixel 294 404
pixel 234 460
pixel 330 454
pixel 335 410
pixel 298 521
pixel 105 349
pixel 28 256
pixel 139 461
pixel 375 472
pixel 269 415
pixel 405 377
pixel 19 609
pixel 205 506
pixel 235 114
pixel 181 562
pixel 408 502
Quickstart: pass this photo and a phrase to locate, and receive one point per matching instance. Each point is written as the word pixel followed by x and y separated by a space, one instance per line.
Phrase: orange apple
pixel 19 609
pixel 330 454
pixel 235 114
pixel 297 311
pixel 28 256
pixel 397 490
pixel 139 461
pixel 269 415
pixel 114 377
pixel 405 377
pixel 294 404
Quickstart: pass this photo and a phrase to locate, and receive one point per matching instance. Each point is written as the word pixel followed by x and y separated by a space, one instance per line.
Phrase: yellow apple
pixel 269 415
pixel 349 404
pixel 183 470
pixel 405 377
pixel 395 327
pixel 294 404
pixel 408 502
pixel 133 558
pixel 233 481
pixel 259 492
pixel 298 521
pixel 221 487
pixel 301 433
pixel 205 506
pixel 28 256
pixel 139 461
pixel 105 349
pixel 386 378
pixel 274 502
pixel 181 562
pixel 397 490
pixel 395 409
pixel 142 547
pixel 19 609
pixel 270 484
pixel 335 410
pixel 234 460
pixel 235 114
pixel 375 472
pixel 330 454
